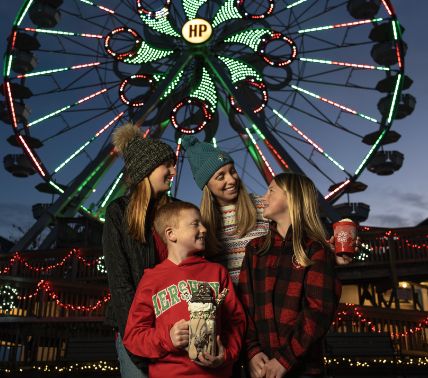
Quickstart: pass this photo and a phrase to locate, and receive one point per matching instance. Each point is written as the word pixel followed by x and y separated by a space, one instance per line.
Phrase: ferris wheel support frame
pixel 69 202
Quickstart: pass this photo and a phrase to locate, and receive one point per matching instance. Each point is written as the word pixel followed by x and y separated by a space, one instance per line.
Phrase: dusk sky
pixel 397 200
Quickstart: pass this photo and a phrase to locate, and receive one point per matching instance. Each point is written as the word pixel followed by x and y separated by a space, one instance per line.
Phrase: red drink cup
pixel 345 235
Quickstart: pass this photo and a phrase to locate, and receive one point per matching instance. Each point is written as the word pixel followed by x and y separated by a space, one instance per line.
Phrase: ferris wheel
pixel 307 85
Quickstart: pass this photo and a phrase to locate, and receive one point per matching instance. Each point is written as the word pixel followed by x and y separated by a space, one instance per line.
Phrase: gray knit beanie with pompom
pixel 142 155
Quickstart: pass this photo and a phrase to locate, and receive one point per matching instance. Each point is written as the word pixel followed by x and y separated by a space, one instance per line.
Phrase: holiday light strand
pixel 17 258
pixel 420 327
pixel 46 287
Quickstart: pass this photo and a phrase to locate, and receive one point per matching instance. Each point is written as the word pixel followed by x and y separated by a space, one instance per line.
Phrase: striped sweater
pixel 234 247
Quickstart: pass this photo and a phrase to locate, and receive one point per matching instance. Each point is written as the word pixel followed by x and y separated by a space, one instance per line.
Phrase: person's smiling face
pixel 276 202
pixel 190 232
pixel 224 185
pixel 160 178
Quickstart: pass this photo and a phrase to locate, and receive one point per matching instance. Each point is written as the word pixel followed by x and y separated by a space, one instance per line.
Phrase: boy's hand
pixel 345 259
pixel 257 364
pixel 179 334
pixel 210 361
pixel 273 369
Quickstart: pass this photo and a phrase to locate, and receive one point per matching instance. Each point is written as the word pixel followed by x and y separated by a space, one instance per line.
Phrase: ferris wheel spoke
pixel 314 144
pixel 343 85
pixel 341 25
pixel 62 69
pixel 322 117
pixel 87 143
pixel 298 18
pixel 284 137
pixel 101 7
pixel 61 33
pixel 336 104
pixel 70 127
pixel 67 107
pixel 344 64
pixel 117 185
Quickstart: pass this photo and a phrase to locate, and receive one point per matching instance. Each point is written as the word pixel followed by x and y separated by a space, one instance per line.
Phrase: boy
pixel 158 321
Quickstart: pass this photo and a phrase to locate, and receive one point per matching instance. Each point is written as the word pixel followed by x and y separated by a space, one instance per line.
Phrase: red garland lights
pixel 255 84
pixel 207 116
pixel 277 62
pixel 162 12
pixel 74 252
pixel 128 54
pixel 240 4
pixel 125 82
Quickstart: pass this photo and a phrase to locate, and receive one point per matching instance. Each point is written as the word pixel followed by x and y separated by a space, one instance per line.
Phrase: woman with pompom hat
pixel 130 244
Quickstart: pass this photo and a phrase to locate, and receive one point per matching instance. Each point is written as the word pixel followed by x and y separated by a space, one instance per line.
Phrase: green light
pixel 308 140
pixel 345 64
pixel 191 7
pixel 250 37
pixel 22 14
pixel 357 172
pixel 47 72
pixel 259 133
pixel 8 65
pixel 295 3
pixel 51 183
pixel 49 115
pixel 113 187
pixel 94 172
pixel 162 25
pixel 171 85
pixel 394 99
pixel 333 103
pixel 214 142
pixel 147 53
pixel 394 29
pixel 206 90
pixel 57 169
pixel 228 11
pixel 239 70
pixel 347 24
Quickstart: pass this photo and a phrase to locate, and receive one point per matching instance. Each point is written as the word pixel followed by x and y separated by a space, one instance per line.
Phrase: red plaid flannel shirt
pixel 290 308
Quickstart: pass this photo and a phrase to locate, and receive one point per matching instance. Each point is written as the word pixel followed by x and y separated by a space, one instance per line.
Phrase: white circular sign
pixel 197 30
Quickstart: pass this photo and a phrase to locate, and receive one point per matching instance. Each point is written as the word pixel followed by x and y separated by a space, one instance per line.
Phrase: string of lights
pixel 18 258
pixel 353 312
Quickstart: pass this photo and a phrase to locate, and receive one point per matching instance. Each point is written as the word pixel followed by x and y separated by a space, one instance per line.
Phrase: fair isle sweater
pixel 233 251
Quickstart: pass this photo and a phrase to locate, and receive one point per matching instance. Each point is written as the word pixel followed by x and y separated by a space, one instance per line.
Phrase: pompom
pixel 124 134
pixel 188 141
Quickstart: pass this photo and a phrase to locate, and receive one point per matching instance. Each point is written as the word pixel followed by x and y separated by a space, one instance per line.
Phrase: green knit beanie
pixel 204 159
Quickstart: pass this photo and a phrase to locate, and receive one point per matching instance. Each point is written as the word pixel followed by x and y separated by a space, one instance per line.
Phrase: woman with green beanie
pixel 130 244
pixel 232 216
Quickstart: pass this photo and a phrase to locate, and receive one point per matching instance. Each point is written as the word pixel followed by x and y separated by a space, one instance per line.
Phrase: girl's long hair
pixel 245 214
pixel 305 220
pixel 136 211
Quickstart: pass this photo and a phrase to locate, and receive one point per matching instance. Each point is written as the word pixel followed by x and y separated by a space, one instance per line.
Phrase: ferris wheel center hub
pixel 196 31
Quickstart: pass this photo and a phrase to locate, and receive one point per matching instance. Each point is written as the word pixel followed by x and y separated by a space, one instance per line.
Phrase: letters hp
pixel 197 30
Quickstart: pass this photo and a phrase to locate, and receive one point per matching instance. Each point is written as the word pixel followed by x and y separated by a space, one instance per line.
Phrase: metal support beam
pixel 69 202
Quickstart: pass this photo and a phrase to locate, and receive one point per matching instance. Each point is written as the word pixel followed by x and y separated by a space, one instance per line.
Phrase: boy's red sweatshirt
pixel 160 301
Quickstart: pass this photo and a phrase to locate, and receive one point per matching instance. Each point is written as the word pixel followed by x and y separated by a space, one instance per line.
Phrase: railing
pixel 63 293
pixel 29 340
pixel 407 244
pixel 408 329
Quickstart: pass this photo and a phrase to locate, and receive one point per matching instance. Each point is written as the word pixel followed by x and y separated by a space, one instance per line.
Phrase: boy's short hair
pixel 169 215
